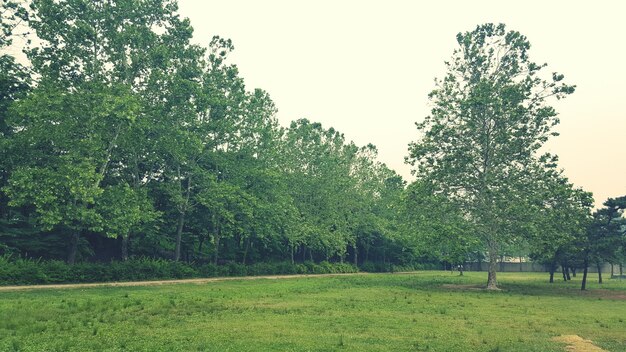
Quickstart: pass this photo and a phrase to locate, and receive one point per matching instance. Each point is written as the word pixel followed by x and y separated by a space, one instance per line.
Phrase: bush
pixel 377 267
pixel 19 271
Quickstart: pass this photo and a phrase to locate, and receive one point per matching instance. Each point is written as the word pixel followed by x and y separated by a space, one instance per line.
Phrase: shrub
pixel 19 271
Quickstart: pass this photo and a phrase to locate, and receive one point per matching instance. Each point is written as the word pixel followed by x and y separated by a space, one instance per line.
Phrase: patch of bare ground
pixel 575 343
pixel 605 294
pixel 611 294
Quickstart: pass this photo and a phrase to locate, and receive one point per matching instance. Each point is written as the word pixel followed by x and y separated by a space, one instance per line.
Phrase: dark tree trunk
pixel 567 276
pixel 621 269
pixel 179 235
pixel 551 276
pixel 356 255
pixel 563 273
pixel 73 248
pixel 217 246
pixel 552 269
pixel 583 286
pixel 599 266
pixel 125 240
pixel 573 271
pixel 492 283
pixel 200 243
pixel 245 251
pixel 291 251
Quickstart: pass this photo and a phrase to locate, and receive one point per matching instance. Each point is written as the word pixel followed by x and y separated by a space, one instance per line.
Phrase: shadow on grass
pixel 475 283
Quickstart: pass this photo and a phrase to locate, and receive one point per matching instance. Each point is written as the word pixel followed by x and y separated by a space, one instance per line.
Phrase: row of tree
pixel 122 138
pixel 120 128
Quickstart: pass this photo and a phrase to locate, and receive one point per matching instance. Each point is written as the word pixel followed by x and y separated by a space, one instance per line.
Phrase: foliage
pixel 123 140
pixel 19 271
pixel 134 142
pixel 489 119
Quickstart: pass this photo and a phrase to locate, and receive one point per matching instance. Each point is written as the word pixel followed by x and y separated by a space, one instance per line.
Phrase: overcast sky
pixel 366 67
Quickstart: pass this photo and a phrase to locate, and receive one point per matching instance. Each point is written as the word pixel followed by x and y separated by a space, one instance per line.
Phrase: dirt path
pixel 165 282
pixel 575 343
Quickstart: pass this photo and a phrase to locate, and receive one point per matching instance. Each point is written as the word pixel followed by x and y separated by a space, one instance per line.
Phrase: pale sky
pixel 366 67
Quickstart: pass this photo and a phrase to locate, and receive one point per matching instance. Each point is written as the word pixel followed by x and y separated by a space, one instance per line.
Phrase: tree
pixel 66 139
pixel 435 227
pixel 604 236
pixel 480 143
pixel 563 215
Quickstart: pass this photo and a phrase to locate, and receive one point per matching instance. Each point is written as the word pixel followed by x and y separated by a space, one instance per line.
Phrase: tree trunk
pixel 291 250
pixel 200 243
pixel 621 270
pixel 125 240
pixel 583 286
pixel 551 275
pixel 245 251
pixel 573 271
pixel 217 246
pixel 563 273
pixel 599 266
pixel 567 276
pixel 73 248
pixel 492 283
pixel 356 255
pixel 179 235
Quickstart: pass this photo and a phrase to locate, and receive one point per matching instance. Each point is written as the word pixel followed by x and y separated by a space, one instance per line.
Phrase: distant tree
pixel 490 117
pixel 604 237
pixel 435 227
pixel 564 212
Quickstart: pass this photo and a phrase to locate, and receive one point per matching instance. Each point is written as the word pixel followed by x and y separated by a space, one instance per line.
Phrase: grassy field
pixel 425 311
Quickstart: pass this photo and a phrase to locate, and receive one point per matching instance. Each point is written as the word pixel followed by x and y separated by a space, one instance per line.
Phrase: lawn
pixel 424 311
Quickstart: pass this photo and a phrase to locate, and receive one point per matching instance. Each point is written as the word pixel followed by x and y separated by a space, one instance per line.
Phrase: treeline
pixel 122 139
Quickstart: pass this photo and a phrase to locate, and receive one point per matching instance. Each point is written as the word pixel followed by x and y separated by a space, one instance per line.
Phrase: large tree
pixel 98 65
pixel 480 145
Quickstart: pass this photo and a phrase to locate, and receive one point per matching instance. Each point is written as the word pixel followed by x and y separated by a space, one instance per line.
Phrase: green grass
pixel 377 312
